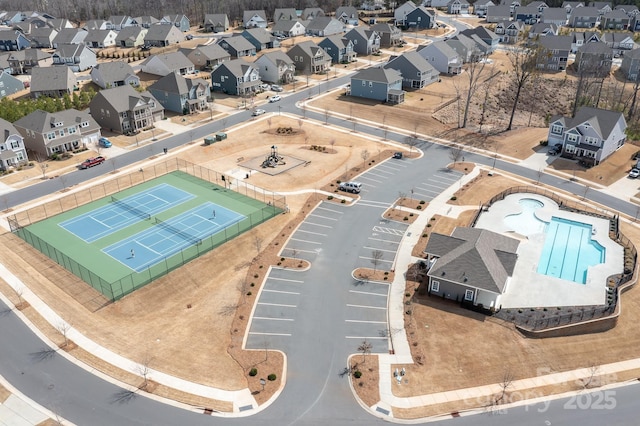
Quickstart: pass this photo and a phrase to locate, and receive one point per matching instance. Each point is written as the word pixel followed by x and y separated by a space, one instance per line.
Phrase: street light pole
pixel 263 382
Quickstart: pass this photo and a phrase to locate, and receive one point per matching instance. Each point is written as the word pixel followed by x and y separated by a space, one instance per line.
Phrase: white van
pixel 353 187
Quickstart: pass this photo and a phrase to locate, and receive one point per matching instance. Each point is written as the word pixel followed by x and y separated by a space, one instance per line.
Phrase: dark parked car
pixel 556 149
pixel 397 155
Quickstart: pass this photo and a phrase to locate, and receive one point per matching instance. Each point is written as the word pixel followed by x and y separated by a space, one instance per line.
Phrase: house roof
pixel 9 34
pixel 595 48
pixel 363 32
pixel 278 57
pixel 555 42
pixel 216 19
pixel 602 120
pixel 554 14
pixel 29 54
pixel 7 128
pixel 526 10
pixel 118 19
pixel 308 47
pixel 311 13
pixel 172 60
pixel 238 43
pixel 248 14
pixel 260 34
pixel 172 83
pixel 416 60
pixel 585 12
pixel 499 10
pixel 384 27
pixel 68 35
pixel 542 27
pixel 209 51
pixel 160 32
pixel 379 75
pixel 130 33
pixel 285 25
pixel 42 122
pixel 237 67
pixel 443 47
pixel 94 24
pixel 116 70
pixel 631 54
pixel 616 14
pixel 51 78
pixel 288 14
pixel 348 11
pixel 473 257
pixel 616 37
pixel 338 41
pixel 98 35
pixel 321 22
pixel 146 20
pixel 70 50
pixel 482 32
pixel 124 98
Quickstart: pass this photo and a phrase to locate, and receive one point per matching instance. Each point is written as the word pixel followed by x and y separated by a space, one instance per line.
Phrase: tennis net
pixel 174 230
pixel 130 208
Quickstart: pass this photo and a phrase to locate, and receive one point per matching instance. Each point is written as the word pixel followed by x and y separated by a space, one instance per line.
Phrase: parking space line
pixel 366 322
pixel 280 291
pixel 429 190
pixel 323 217
pixel 384 241
pixel 367 292
pixel 379 249
pixel 371 179
pixel 300 250
pixel 286 279
pixel 277 304
pixel 305 241
pixel 270 334
pixel 369 204
pixel 310 232
pixel 379 260
pixel 315 224
pixel 447 182
pixel 330 210
pixel 366 307
pixel 273 319
pixel 366 337
pixel 377 170
pixel 391 231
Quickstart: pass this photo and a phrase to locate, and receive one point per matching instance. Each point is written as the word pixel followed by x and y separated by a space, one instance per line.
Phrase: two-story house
pixel 118 22
pixel 54 82
pixel 380 84
pixel 13 40
pixel 591 136
pixel 348 15
pixel 162 36
pixel 113 74
pixel 496 13
pixel 309 58
pixel 442 57
pixel 43 37
pixel 420 18
pixel 554 52
pixel 254 19
pixel 237 46
pixel 284 14
pixel 528 15
pixel 163 64
pixel 144 21
pixel 286 28
pixel 615 20
pixel 22 61
pixel 276 67
pixel 554 15
pixel 260 38
pixel 99 39
pixel 323 26
pixel 181 95
pixel 216 23
pixel 458 7
pixel 630 66
pixel 206 57
pixel 584 17
pixel 78 57
pixel 620 42
pixel 48 133
pixel 486 35
pixel 390 35
pixel 69 36
pixel 131 36
pixel 311 13
pixel 542 29
pixel 400 13
pixel 124 110
pixel 480 7
pixel 509 32
pixel 594 59
pixel 236 77
pixel 416 71
pixel 340 49
pixel 365 41
pixel 12 149
pixel 181 22
pixel 9 84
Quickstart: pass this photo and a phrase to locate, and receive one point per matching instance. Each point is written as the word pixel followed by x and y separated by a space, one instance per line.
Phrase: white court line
pixel 285 279
pixel 304 241
pixel 379 249
pixel 379 260
pixel 366 322
pixel 366 307
pixel 330 210
pixel 384 241
pixel 316 224
pixel 270 334
pixel 311 232
pixel 366 337
pixel 279 291
pixel 324 217
pixel 277 304
pixel 365 292
pixel 273 319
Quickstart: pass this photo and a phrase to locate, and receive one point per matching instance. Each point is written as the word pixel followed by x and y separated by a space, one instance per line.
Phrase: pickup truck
pixel 90 162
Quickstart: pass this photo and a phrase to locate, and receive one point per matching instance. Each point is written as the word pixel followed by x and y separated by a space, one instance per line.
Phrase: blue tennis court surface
pixel 166 238
pixel 120 213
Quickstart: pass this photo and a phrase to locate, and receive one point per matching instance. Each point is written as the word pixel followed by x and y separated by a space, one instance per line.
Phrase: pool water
pixel 568 250
pixel 526 223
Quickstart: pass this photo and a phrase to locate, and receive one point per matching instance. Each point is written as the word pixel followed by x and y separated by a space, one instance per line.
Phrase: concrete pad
pixel 16 412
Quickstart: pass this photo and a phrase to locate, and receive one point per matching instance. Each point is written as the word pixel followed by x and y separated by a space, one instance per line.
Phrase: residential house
pixel 93 24
pixel 584 17
pixel 498 13
pixel 181 22
pixel 69 36
pixel 442 57
pixel 285 28
pixel 473 266
pixel 78 57
pixel 260 38
pixel 124 110
pixel 167 63
pixel 254 19
pixel 420 18
pixel 54 82
pixel 182 95
pixel 630 66
pixel 591 136
pixel 285 14
pixel 12 149
pixel 603 7
pixel 237 46
pixel 60 23
pixel 528 15
pixel 4 62
pixel 310 58
pixel 13 40
pixel 436 4
pixel 236 77
pixel 401 12
pixel 458 7
pixel 390 35
pixel 620 42
pixel 206 57
pixel 13 17
pixel 131 36
pixel 540 5
pixel 365 41
pixel 480 7
pixel 615 20
pixel 372 5
pixel 22 61
pixel 594 59
pixel 569 6
pixel 542 29
pixel 47 133
pixel 630 9
pixel 145 21
pixel 323 26
pixel 118 22
pixel 554 52
pixel 162 36
pixel 510 32
pixel 348 15
pixel 113 74
pixel 468 49
pixel 416 71
pixel 99 39
pixel 513 5
pixel 554 15
pixel 311 13
pixel 43 37
pixel 340 49
pixel 276 67
pixel 216 23
pixel 486 35
pixel 9 84
pixel 379 84
pixel 580 38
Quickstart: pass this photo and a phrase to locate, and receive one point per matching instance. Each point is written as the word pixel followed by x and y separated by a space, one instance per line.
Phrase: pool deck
pixel 527 288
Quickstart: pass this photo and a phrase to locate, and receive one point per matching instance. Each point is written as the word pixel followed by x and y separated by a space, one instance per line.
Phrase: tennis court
pixel 166 238
pixel 120 213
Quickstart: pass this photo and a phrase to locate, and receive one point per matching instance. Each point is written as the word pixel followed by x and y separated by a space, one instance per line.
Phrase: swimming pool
pixel 526 223
pixel 568 250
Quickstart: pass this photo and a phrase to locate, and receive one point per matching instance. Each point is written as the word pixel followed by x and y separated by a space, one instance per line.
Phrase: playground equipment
pixel 273 159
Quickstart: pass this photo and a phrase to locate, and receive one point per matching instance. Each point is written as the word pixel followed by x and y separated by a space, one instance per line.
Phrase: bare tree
pixel 19 291
pixel 589 381
pixel 473 73
pixel 257 241
pixel 364 154
pixel 411 141
pixel 376 258
pixel 332 142
pixel 224 124
pixel 243 287
pixel 455 152
pixel 523 67
pixel 326 116
pixel 632 109
pixel 507 381
pixel 143 369
pixel 63 328
pixel 365 347
pixel 43 168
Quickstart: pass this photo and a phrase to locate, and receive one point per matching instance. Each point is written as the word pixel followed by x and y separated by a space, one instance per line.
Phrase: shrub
pixel 256 276
pixel 282 259
pixel 330 197
pixel 405 218
pixel 271 377
pixel 425 235
pixel 343 201
pixel 252 284
pixel 454 198
pixel 357 374
pixel 419 208
pixel 428 226
pixel 249 293
pixel 421 201
pixel 253 372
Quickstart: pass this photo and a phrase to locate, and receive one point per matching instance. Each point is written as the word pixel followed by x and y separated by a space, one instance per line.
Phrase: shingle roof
pixel 41 121
pixel 51 78
pixel 380 75
pixel 124 98
pixel 116 70
pixel 172 60
pixel 602 120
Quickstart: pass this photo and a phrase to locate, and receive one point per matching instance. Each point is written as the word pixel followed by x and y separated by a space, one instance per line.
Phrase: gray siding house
pixel 379 84
pixel 131 37
pixel 260 39
pixel 182 95
pixel 323 26
pixel 390 35
pixel 594 59
pixel 114 74
pixel 216 23
pixel 162 36
pixel 237 46
pixel 339 48
pixel 554 52
pixel 54 82
pixel 584 17
pixel 22 61
pixel 276 67
pixel 630 67
pixel 206 57
pixel 309 58
pixel 442 57
pixel 416 71
pixel 124 110
pixel 12 149
pixel 236 77
pixel 78 57
pixel 254 19
pixel 365 41
pixel 174 62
